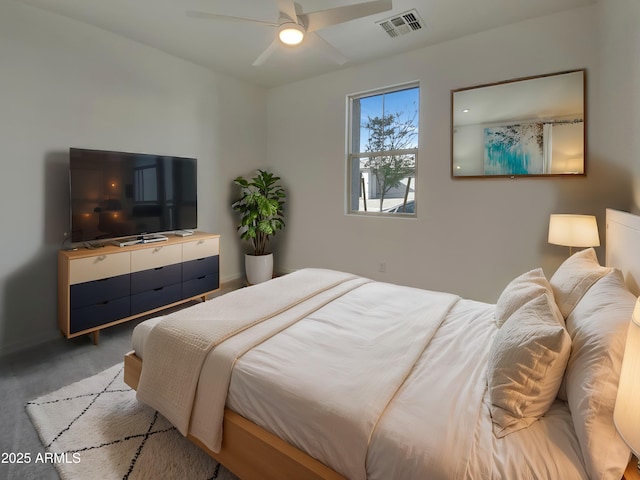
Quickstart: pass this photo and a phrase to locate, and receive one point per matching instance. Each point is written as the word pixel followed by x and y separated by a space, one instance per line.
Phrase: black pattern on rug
pixel 141 444
pixel 95 396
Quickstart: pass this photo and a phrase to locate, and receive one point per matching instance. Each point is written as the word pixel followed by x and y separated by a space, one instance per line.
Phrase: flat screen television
pixel 118 194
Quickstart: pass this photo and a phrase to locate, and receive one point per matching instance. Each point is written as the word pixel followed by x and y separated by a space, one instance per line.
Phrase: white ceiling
pixel 230 47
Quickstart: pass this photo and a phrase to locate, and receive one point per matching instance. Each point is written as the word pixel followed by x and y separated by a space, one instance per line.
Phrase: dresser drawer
pixel 198 286
pixel 199 268
pixel 99 291
pixel 98 314
pixel 155 278
pixel 200 249
pixel 141 302
pixel 154 257
pixel 102 287
pixel 101 266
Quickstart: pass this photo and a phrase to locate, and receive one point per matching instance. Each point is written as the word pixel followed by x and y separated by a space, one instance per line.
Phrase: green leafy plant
pixel 261 208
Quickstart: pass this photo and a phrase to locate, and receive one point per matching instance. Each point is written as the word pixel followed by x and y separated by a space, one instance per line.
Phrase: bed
pixel 324 374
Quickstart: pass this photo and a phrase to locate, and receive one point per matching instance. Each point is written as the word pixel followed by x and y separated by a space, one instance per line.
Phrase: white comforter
pixel 178 346
pixel 389 382
pixel 338 370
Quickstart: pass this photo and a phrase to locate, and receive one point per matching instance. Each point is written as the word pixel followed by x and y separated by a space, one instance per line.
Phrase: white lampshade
pixel 573 230
pixel 290 33
pixel 626 414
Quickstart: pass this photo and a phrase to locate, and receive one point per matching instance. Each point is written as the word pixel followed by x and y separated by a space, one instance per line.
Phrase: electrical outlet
pixel 382 267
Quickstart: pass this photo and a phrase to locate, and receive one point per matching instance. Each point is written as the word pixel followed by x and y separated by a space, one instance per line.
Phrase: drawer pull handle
pixel 102 304
pixel 200 278
pixel 157 289
pixel 158 268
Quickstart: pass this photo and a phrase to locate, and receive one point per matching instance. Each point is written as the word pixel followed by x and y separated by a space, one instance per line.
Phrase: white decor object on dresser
pixel 100 288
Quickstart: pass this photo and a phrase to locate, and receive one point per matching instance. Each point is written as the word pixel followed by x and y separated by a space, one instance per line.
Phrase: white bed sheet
pixel 331 375
pixel 437 426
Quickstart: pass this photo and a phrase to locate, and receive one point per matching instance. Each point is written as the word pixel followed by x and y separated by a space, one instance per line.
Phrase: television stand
pixel 139 239
pixel 97 289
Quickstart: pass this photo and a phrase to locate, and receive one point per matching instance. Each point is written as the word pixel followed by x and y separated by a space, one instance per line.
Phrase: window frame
pixel 353 181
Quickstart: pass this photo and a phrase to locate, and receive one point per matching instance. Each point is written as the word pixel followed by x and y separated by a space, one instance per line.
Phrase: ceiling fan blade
pixel 288 8
pixel 325 18
pixel 215 16
pixel 267 53
pixel 326 48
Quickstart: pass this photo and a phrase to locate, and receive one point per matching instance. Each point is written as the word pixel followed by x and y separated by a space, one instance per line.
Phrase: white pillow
pixel 574 277
pixel 526 364
pixel 598 327
pixel 520 290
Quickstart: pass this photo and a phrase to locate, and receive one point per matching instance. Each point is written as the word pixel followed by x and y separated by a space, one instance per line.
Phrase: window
pixel 383 151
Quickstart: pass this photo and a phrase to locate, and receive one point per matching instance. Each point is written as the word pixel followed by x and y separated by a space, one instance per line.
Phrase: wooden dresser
pixel 98 288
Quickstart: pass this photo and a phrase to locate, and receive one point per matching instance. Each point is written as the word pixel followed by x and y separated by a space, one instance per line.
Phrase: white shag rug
pixel 95 428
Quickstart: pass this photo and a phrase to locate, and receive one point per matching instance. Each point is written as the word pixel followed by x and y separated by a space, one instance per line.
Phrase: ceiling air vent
pixel 402 24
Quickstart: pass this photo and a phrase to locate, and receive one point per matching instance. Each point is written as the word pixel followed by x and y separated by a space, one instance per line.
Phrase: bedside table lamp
pixel 573 231
pixel 626 414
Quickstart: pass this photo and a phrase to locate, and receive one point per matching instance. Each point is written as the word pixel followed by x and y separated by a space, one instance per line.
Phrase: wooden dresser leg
pixel 95 334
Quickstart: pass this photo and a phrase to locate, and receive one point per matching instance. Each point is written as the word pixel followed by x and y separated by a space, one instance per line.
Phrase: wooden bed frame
pixel 248 450
pixel 251 452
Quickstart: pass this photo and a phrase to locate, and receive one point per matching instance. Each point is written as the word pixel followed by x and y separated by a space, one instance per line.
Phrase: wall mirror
pixel 524 127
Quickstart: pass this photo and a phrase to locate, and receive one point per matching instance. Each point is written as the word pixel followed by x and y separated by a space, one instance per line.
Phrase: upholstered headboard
pixel 623 246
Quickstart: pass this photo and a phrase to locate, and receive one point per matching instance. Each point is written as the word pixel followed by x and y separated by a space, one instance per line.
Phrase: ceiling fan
pixel 294 25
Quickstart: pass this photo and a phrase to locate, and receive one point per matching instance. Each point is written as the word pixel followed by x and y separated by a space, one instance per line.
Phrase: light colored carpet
pixel 96 428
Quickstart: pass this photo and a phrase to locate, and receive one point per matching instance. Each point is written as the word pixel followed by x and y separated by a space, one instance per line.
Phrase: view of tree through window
pixel 383 151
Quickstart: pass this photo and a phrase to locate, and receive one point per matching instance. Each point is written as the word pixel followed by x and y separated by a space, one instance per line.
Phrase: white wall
pixel 65 84
pixel 615 138
pixel 471 236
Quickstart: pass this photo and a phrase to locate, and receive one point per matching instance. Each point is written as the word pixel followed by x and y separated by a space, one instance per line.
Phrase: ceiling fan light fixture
pixel 291 33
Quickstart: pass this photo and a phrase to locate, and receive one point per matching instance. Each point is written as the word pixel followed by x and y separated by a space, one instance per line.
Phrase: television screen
pixel 117 194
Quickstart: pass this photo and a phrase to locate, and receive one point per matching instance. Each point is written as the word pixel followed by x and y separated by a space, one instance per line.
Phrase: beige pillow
pixel 574 277
pixel 526 365
pixel 598 328
pixel 520 290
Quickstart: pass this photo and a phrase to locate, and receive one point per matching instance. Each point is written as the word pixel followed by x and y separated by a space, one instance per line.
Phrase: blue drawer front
pixel 195 269
pixel 159 297
pixel 201 285
pixel 155 278
pixel 98 314
pixel 99 291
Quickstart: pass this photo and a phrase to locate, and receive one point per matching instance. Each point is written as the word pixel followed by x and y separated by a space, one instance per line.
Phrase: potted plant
pixel 261 207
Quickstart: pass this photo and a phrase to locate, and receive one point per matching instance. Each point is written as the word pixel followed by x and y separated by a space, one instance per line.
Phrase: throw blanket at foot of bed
pixel 179 344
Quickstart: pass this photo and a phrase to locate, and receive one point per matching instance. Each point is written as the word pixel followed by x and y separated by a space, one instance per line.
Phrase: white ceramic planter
pixel 258 268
